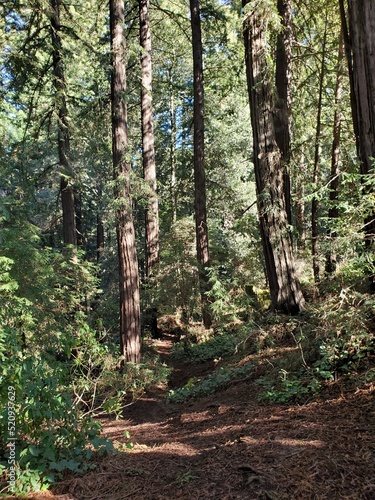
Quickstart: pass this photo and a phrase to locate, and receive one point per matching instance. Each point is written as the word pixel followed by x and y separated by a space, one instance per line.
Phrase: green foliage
pixel 186 477
pixel 345 335
pixel 266 11
pixel 142 376
pixel 289 387
pixel 107 388
pixel 197 388
pixel 52 434
pixel 177 286
pixel 221 345
pixel 222 296
pixel 59 353
pixel 335 339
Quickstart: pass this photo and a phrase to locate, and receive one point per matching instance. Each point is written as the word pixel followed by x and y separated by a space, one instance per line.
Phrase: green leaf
pixel 49 454
pixel 34 450
pixel 62 465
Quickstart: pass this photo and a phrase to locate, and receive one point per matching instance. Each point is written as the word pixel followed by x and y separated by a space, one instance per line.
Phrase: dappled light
pixel 203 449
pixel 187 231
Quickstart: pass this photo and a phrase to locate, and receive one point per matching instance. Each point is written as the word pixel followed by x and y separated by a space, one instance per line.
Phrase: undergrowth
pixel 196 387
pixel 56 376
pixel 332 341
pixel 221 345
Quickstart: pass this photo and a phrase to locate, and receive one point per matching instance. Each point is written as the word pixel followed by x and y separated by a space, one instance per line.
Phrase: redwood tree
pixel 358 22
pixel 66 187
pixel 127 255
pixel 283 82
pixel 199 161
pixel 333 212
pixel 148 141
pixel 286 294
pixel 317 145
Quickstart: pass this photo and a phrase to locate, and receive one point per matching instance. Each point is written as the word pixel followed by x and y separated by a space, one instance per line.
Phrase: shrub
pixel 345 334
pixel 50 432
pixel 221 345
pixel 196 388
pixel 288 387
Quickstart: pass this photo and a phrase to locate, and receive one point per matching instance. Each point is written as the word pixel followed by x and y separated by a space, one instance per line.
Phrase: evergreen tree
pixel 199 161
pixel 358 25
pixel 284 286
pixel 66 187
pixel 148 148
pixel 127 255
pixel 334 181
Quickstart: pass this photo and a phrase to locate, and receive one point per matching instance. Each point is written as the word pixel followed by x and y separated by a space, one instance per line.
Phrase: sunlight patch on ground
pixel 316 443
pixel 202 416
pixel 175 448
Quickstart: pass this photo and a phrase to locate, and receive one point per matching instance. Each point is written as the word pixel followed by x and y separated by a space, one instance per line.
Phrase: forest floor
pixel 231 446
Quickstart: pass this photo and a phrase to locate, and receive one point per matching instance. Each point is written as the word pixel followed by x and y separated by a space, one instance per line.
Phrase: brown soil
pixel 229 446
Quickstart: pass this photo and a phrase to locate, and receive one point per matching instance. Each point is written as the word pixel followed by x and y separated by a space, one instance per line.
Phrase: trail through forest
pixel 229 446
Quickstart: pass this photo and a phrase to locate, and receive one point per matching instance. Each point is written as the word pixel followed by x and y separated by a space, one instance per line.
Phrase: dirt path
pixel 228 446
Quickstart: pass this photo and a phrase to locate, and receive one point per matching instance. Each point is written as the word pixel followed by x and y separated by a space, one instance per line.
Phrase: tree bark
pixel 300 201
pixel 285 290
pixel 318 133
pixel 173 120
pixel 333 213
pixel 199 162
pixel 99 227
pixel 359 34
pixel 148 141
pixel 283 103
pixel 66 187
pixel 127 255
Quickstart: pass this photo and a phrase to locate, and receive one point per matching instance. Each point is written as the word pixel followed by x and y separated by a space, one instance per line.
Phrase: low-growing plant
pixel 51 434
pixel 288 387
pixel 196 388
pixel 345 335
pixel 108 388
pixel 49 431
pixel 221 345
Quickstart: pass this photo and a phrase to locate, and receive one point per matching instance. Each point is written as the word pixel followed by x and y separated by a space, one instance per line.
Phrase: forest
pixel 187 225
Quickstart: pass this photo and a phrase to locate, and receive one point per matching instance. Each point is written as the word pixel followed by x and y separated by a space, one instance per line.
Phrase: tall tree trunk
pixel 172 119
pixel 283 103
pixel 99 227
pixel 148 141
pixel 99 237
pixel 199 162
pixel 300 201
pixel 127 255
pixel 79 218
pixel 284 286
pixel 359 34
pixel 66 187
pixel 318 133
pixel 333 213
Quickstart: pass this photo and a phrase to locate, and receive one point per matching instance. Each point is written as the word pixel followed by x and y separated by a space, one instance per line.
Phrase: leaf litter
pixel 230 446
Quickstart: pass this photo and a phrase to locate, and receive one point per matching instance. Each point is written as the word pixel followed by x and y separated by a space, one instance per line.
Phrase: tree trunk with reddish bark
pixel 286 294
pixel 66 180
pixel 127 255
pixel 148 141
pixel 199 163
pixel 358 22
